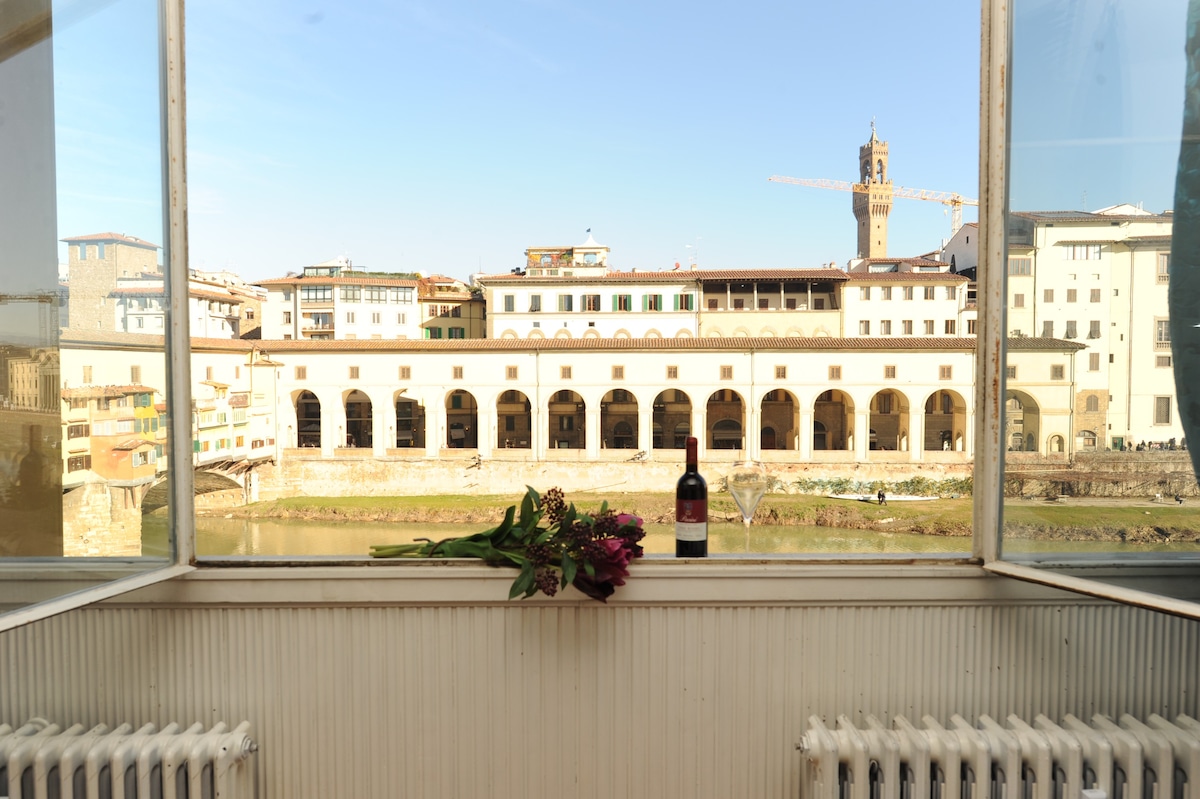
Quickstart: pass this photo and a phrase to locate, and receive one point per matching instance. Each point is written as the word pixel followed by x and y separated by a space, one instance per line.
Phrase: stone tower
pixel 872 198
pixel 94 264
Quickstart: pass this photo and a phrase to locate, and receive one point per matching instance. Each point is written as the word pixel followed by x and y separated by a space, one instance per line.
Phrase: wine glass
pixel 747 482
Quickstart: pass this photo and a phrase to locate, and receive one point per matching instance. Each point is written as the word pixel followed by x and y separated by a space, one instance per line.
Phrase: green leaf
pixel 533 495
pixel 589 568
pixel 524 582
pixel 569 569
pixel 501 532
pixel 603 508
pixel 527 512
pixel 568 518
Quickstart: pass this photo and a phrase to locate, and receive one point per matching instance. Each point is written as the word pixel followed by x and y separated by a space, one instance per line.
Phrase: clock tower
pixel 872 197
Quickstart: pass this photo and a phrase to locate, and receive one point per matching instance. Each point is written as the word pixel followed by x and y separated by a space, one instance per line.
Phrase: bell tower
pixel 872 197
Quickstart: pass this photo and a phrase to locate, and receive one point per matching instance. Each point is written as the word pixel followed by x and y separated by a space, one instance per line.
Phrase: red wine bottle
pixel 691 509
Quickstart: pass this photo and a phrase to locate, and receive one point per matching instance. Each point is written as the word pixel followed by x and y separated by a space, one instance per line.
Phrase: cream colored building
pixel 330 301
pixel 1101 279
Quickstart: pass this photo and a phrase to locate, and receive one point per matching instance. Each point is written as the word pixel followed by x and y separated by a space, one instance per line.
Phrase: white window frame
pixel 991 334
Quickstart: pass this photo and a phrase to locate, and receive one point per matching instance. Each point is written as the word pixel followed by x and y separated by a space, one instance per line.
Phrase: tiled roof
pixel 282 347
pixel 120 238
pixel 1086 216
pixel 341 281
pixel 907 277
pixel 1036 343
pixel 104 392
pixel 675 276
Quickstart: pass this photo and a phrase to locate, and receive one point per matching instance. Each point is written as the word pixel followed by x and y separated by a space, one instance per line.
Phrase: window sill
pixel 653 582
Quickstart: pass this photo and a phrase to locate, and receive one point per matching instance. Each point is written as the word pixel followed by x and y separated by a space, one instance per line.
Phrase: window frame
pixel 990 340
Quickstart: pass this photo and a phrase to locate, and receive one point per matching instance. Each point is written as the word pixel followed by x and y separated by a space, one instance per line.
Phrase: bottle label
pixel 691 520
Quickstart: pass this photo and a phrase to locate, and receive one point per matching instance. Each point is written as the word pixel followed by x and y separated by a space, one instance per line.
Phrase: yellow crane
pixel 953 199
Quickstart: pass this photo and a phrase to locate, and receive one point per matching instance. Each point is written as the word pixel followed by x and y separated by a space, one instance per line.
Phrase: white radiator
pixel 44 761
pixel 1103 759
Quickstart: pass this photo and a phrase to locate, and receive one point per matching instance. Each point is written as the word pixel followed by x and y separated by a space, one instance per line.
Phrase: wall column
pixel 592 432
pixel 862 433
pixel 752 433
pixel 645 437
pixel 804 441
pixel 916 435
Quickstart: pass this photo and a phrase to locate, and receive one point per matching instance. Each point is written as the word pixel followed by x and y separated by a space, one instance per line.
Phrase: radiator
pixel 42 760
pixel 1100 759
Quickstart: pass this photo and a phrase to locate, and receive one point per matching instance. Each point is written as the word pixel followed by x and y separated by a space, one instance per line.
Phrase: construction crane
pixel 954 200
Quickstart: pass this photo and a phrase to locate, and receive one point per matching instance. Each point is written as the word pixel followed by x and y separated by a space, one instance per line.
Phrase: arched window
pixel 1093 404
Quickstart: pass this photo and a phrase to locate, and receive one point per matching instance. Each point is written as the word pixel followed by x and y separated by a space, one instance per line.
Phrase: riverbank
pixel 1088 519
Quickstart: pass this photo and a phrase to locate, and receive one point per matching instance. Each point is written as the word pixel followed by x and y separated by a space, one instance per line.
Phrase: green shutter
pixel 616 299
pixel 645 301
pixel 676 302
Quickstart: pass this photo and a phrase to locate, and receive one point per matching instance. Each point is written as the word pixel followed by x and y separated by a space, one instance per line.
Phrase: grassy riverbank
pixel 1131 520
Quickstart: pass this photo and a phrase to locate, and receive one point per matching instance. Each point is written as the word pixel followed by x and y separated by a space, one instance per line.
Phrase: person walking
pixel 882 497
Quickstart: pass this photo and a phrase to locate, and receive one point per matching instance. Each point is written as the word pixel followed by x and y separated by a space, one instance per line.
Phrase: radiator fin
pixel 1099 759
pixel 40 760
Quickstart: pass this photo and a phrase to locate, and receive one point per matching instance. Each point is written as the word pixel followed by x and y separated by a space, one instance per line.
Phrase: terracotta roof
pixel 909 277
pixel 103 392
pixel 1036 343
pixel 284 347
pixel 343 281
pixel 675 276
pixel 159 291
pixel 1087 216
pixel 132 443
pixel 120 238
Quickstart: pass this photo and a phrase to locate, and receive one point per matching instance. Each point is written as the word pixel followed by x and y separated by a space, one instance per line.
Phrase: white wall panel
pixel 556 700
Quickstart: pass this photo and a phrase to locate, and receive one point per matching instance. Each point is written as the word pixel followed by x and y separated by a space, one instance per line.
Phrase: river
pixel 225 537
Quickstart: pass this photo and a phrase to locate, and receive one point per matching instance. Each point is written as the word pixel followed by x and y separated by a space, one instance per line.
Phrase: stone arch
pixel 360 416
pixel 562 333
pixel 410 421
pixel 509 333
pixel 514 420
pixel 308 419
pixel 833 412
pixel 779 412
pixel 768 332
pixel 889 420
pixel 794 332
pixel 591 332
pixel 821 332
pixel 1022 421
pixel 945 420
pixel 1087 441
pixel 567 420
pixel 619 409
pixel 536 334
pixel 726 415
pixel 653 333
pixel 672 410
pixel 1055 444
pixel 462 420
pixel 684 333
pixel 622 333
pixel 741 331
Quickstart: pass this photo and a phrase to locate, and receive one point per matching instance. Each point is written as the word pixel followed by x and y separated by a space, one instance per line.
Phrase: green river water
pixel 273 537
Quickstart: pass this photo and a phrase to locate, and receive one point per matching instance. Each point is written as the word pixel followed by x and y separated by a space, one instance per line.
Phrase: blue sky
pixel 449 136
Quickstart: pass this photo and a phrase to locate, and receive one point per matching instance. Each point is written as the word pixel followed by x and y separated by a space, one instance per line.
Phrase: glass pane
pixel 82 389
pixel 1097 467
pixel 459 124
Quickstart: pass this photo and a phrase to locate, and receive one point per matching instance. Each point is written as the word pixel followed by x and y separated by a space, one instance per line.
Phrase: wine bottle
pixel 691 509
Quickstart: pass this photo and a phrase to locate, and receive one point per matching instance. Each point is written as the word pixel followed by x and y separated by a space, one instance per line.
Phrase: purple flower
pixel 627 518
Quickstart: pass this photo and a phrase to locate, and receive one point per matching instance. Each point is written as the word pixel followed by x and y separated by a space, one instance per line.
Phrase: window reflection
pixel 82 418
pixel 1096 455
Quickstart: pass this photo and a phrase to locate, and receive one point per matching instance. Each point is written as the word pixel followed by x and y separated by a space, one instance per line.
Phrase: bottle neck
pixel 693 461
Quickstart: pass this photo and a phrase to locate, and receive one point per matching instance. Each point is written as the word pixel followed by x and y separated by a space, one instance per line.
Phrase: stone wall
pixel 99 521
pixel 299 476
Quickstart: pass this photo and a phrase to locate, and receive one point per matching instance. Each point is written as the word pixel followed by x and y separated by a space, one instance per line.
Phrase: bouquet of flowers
pixel 553 544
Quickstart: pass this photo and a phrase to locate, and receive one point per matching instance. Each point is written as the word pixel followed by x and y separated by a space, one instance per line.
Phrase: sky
pixel 448 137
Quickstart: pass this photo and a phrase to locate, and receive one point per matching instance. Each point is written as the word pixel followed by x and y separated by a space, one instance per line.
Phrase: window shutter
pixel 616 299
pixel 676 302
pixel 645 301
